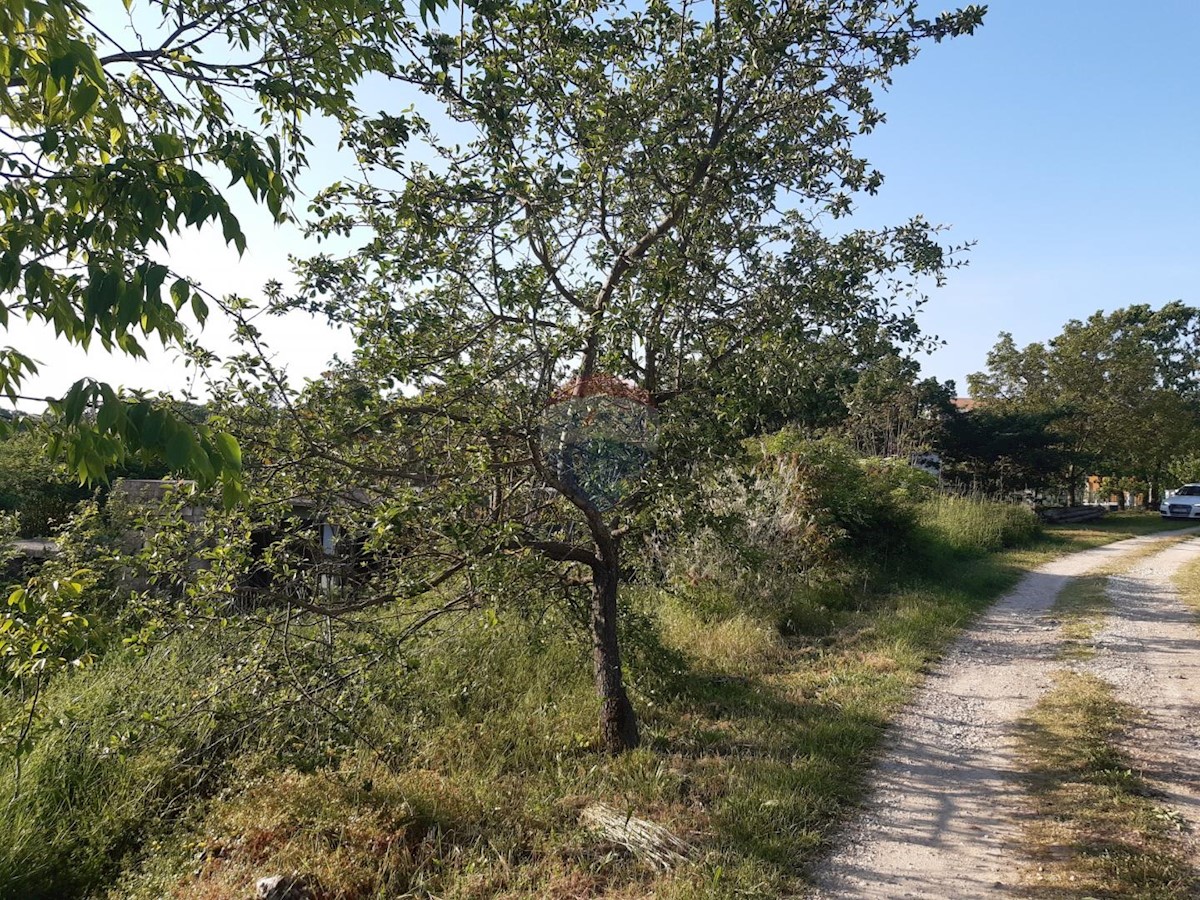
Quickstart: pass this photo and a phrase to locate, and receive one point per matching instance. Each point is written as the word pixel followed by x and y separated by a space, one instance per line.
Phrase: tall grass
pixel 103 773
pixel 974 524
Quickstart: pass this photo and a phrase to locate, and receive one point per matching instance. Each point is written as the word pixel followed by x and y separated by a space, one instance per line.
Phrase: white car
pixel 1183 504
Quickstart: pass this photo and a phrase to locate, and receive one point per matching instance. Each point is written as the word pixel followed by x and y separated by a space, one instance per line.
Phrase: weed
pixel 1096 828
pixel 473 755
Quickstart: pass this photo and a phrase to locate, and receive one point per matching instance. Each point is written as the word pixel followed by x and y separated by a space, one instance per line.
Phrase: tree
pixel 1006 448
pixel 1123 388
pixel 1012 374
pixel 892 413
pixel 115 140
pixel 611 263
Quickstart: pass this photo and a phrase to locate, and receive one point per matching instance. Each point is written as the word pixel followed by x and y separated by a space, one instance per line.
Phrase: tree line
pixel 1115 396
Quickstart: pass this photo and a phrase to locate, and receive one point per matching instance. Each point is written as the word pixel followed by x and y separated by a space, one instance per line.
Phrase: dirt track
pixel 942 819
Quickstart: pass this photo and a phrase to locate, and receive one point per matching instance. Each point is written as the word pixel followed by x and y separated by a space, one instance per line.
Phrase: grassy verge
pixel 1187 582
pixel 757 744
pixel 1118 526
pixel 1096 830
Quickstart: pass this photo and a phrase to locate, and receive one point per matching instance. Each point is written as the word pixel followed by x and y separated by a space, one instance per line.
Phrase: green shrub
pixel 806 514
pixel 863 501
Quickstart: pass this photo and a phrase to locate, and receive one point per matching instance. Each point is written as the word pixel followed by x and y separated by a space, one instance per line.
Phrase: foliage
pixel 117 138
pixel 458 763
pixel 124 747
pixel 486 791
pixel 651 224
pixel 33 486
pixel 1008 448
pixel 44 492
pixel 901 480
pixel 1120 389
pixel 123 574
pixel 892 413
pixel 1184 469
pixel 808 508
pixel 825 481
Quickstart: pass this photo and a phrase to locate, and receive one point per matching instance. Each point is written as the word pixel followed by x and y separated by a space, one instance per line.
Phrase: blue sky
pixel 1062 138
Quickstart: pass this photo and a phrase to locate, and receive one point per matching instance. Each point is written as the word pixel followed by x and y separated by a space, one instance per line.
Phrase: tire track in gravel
pixel 1149 650
pixel 942 819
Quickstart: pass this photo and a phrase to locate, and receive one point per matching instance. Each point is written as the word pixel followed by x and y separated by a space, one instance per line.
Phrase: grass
pixel 1084 535
pixel 757 745
pixel 1083 603
pixel 1187 582
pixel 974 524
pixel 1096 830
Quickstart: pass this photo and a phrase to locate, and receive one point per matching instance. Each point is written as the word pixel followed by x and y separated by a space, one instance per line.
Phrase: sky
pixel 1061 138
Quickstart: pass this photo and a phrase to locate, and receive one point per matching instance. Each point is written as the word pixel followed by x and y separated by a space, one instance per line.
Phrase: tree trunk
pixel 618 723
pixel 1071 496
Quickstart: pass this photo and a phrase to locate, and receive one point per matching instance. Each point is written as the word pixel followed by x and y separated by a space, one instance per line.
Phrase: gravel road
pixel 942 820
pixel 1149 650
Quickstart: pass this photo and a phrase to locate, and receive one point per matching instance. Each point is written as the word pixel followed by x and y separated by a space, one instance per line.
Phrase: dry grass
pixel 1084 603
pixel 739 645
pixel 1096 829
pixel 1187 582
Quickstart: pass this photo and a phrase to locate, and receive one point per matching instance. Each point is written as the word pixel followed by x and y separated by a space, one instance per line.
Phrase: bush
pixel 805 513
pixel 32 485
pixel 864 501
pixel 973 524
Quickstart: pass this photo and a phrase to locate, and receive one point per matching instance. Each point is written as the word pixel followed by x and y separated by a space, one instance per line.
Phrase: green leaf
pixel 153 429
pixel 110 414
pixel 228 447
pixel 83 100
pixel 199 308
pixel 74 403
pixel 179 450
pixel 181 290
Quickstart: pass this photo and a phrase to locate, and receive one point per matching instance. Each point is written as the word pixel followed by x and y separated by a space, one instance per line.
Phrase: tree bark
pixel 618 722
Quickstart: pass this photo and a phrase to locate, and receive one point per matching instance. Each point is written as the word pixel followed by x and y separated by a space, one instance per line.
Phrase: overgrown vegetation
pixel 1096 830
pixel 539 542
pixel 459 763
pixel 973 524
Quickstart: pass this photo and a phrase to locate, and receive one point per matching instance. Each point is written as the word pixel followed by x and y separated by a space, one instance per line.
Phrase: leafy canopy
pixel 120 136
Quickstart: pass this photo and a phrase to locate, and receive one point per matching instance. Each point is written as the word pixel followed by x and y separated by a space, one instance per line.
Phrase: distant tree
pixel 1018 375
pixel 1123 389
pixel 1005 448
pixel 1184 469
